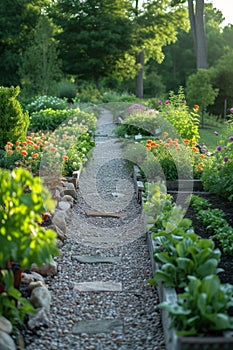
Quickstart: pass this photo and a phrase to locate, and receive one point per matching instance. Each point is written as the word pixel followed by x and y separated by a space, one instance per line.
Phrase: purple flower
pixel 231 110
pixel 219 148
pixel 231 138
pixel 216 133
pixel 160 102
pixel 225 159
pixel 167 102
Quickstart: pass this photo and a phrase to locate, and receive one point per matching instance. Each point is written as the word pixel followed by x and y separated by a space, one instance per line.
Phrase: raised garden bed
pixel 174 342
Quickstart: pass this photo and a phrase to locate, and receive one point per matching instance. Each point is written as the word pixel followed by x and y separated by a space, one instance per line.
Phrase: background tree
pixel 196 16
pixel 17 21
pixel 95 34
pixel 200 91
pixel 40 68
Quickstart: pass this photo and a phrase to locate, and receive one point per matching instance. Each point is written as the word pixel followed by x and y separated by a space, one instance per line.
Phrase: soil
pixel 226 262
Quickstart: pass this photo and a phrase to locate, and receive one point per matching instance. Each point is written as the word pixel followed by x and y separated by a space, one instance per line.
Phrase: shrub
pixel 50 119
pixel 46 102
pixel 13 121
pixel 176 111
pixel 66 90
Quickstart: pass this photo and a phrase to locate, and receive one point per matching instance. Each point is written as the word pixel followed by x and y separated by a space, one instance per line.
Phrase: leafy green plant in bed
pixel 202 308
pixel 215 223
pixel 180 258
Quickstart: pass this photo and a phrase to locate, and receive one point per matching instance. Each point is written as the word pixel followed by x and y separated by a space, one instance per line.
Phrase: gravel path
pixel 126 315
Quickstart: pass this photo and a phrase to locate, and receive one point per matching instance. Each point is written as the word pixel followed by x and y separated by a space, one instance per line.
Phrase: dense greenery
pixel 14 123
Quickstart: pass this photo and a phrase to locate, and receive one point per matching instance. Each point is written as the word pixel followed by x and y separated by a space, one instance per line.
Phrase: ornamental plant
pixel 176 111
pixel 50 119
pixel 217 174
pixel 178 158
pixel 23 199
pixel 13 122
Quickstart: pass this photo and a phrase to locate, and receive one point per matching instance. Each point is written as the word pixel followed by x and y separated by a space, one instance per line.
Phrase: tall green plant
pixel 13 121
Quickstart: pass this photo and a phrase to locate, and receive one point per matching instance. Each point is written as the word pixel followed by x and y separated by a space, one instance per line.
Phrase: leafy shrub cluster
pixel 46 102
pixel 50 119
pixel 23 240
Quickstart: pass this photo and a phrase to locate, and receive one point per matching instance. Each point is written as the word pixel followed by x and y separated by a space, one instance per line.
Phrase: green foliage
pixel 13 121
pixel 66 90
pixel 214 222
pixel 40 66
pixel 45 102
pixel 202 308
pixel 78 154
pixel 200 90
pixel 181 258
pixel 22 201
pixel 50 119
pixel 222 78
pixel 12 305
pixel 217 174
pixel 176 111
pixel 138 121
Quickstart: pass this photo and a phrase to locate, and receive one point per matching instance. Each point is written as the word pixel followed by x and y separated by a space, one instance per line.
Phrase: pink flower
pixel 231 110
pixel 167 102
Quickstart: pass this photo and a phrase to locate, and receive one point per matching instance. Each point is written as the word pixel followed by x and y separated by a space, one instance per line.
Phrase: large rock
pixel 6 342
pixel 41 319
pixel 59 220
pixel 41 297
pixel 5 325
pixel 45 269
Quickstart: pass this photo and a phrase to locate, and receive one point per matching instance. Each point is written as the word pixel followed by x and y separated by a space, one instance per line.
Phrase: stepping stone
pixel 97 259
pixel 98 286
pixel 102 214
pixel 98 326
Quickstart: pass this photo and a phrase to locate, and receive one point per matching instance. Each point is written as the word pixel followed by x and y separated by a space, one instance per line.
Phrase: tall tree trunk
pixel 198 30
pixel 139 78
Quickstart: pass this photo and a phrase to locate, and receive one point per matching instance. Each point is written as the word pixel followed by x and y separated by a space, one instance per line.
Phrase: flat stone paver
pixel 98 326
pixel 98 286
pixel 97 259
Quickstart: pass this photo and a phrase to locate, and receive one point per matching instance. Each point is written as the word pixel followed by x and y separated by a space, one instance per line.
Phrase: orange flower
pixel 148 146
pixel 18 148
pixel 24 153
pixel 195 149
pixel 18 142
pixel 153 144
pixel 24 143
pixel 178 148
pixel 169 140
pixel 202 156
pixel 201 164
pixel 29 138
pixel 194 143
pixel 167 145
pixel 65 157
pixel 10 152
pixel 160 141
pixel 186 141
pixel 53 149
pixel 196 107
pixel 35 155
pixel 149 141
